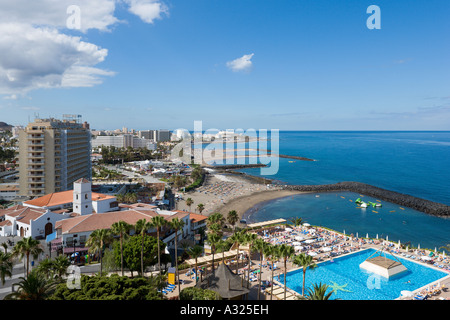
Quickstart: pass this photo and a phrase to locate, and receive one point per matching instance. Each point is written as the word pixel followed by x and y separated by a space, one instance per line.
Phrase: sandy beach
pixel 223 192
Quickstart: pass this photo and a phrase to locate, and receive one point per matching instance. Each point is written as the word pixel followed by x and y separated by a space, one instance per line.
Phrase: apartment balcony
pixel 35 137
pixel 36 155
pixel 35 188
pixel 35 162
pixel 41 180
pixel 36 193
pixel 36 175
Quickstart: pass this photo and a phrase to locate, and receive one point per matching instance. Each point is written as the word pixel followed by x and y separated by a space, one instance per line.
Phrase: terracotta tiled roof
pixel 5 223
pixel 63 197
pixel 195 217
pixel 96 221
pixel 23 214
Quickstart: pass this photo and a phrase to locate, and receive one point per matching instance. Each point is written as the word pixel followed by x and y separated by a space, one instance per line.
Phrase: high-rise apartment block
pixel 157 135
pixel 53 154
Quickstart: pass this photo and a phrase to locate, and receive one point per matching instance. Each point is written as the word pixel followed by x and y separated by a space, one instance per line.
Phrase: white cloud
pixel 98 14
pixel 243 63
pixel 35 58
pixel 36 52
pixel 147 10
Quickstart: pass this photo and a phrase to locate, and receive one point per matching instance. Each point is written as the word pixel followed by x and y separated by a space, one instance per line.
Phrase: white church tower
pixel 82 197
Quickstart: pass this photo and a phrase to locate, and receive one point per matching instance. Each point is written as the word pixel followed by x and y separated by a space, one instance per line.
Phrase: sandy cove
pixel 225 192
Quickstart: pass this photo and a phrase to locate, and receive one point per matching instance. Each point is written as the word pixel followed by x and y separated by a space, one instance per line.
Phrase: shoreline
pixel 419 204
pixel 245 203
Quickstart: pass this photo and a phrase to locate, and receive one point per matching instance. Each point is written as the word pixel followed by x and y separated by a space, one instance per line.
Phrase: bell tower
pixel 82 197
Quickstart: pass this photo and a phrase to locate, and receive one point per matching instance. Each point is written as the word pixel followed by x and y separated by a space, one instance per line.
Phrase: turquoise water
pixel 335 210
pixel 415 163
pixel 352 283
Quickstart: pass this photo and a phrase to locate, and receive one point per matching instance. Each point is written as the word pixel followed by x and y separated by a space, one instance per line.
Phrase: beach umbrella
pixel 377 236
pixel 418 247
pixel 399 244
pixel 357 234
pixel 288 229
pixel 306 225
pixel 367 235
pixel 387 238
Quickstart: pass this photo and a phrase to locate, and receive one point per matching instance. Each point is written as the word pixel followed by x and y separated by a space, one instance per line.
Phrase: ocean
pixel 414 163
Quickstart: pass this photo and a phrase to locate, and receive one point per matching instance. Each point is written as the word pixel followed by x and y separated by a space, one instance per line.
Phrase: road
pixel 19 270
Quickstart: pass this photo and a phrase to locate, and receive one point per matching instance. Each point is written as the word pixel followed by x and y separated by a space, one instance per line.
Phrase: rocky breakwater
pixel 405 200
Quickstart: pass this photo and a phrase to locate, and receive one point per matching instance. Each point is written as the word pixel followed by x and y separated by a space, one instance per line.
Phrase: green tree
pixel 304 261
pixel 177 224
pixel 46 268
pixel 237 238
pixel 213 240
pixel 273 253
pixel 28 247
pixel 296 221
pixel 97 241
pixel 60 265
pixel 141 228
pixel 193 293
pixel 286 252
pixel 200 207
pixel 249 239
pixel 195 252
pixel 232 218
pixel 132 253
pixel 121 229
pixel 260 245
pixel 34 287
pixel 6 266
pixel 158 222
pixel 189 203
pixel 319 292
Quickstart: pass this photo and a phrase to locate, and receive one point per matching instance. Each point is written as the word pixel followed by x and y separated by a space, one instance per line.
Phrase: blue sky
pixel 304 64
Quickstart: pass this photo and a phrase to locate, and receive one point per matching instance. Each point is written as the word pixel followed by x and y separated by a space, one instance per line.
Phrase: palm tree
pixel 189 203
pixel 158 222
pixel 259 245
pixel 238 239
pixel 177 224
pixel 141 227
pixel 214 218
pixel 195 252
pixel 286 251
pixel 34 287
pixel 319 292
pixel 296 221
pixel 232 218
pixel 121 228
pixel 249 239
pixel 304 261
pixel 6 266
pixel 272 252
pixel 46 268
pixel 5 246
pixel 60 265
pixel 26 247
pixel 200 207
pixel 98 239
pixel 213 240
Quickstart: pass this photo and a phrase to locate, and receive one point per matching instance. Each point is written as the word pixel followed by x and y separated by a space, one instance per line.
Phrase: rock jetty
pixel 405 200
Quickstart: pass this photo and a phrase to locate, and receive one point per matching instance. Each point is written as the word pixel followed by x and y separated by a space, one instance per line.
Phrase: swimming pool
pixel 350 282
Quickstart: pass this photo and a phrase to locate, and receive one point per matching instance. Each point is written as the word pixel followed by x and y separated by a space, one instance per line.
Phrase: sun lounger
pixel 420 297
